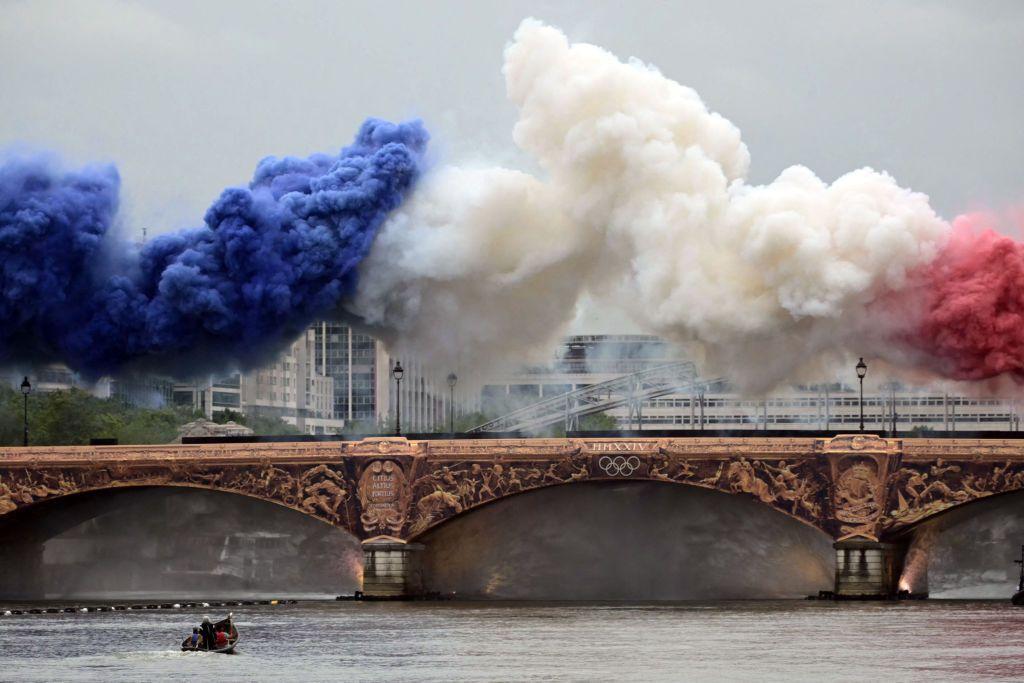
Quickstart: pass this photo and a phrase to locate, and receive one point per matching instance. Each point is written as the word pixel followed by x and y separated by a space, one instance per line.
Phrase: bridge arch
pixel 320 491
pixel 77 509
pixel 922 491
pixel 632 539
pixel 796 487
pixel 439 506
pixel 173 540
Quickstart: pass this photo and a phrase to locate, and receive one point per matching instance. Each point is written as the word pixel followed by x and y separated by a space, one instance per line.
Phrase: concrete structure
pixel 868 569
pixel 391 568
pixel 865 492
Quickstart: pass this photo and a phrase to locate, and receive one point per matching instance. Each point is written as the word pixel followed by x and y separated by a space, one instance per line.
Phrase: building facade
pixel 585 360
pixel 291 388
pixel 331 379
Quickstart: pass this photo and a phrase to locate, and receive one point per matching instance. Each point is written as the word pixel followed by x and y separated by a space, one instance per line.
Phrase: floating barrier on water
pixel 359 596
pixel 79 609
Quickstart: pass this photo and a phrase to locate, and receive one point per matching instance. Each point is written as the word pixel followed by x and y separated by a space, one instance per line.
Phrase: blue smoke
pixel 269 259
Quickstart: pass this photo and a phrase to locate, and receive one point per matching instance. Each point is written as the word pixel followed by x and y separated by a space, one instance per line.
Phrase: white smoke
pixel 644 206
pixel 478 266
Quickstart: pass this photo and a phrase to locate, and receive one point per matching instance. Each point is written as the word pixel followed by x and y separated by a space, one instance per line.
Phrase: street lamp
pixel 452 380
pixel 398 373
pixel 862 369
pixel 26 389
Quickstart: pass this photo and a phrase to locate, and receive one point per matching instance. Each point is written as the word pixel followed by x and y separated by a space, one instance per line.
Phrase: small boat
pixel 226 625
pixel 1018 597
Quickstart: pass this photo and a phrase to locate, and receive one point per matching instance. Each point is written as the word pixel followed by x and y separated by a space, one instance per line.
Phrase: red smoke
pixel 973 293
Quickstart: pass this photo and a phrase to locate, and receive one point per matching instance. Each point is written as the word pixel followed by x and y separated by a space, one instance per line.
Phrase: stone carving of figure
pixel 686 470
pixel 916 484
pixel 326 495
pixel 7 503
pixel 433 506
pixel 514 484
pixel 483 479
pixel 579 471
pixel 743 479
pixel 533 477
pixel 551 474
pixel 659 470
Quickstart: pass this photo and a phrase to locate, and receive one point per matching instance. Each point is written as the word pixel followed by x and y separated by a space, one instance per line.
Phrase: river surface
pixel 465 641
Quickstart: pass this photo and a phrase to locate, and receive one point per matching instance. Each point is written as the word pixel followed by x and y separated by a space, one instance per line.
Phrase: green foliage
pixel 368 427
pixel 266 425
pixel 222 416
pixel 74 417
pixel 598 422
pixel 261 425
pixel 467 421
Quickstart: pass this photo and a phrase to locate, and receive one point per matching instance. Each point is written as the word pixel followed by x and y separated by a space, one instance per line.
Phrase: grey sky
pixel 187 96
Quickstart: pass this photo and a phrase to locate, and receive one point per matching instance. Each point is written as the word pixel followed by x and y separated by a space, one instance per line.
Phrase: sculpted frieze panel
pixel 321 490
pixel 919 490
pixel 449 488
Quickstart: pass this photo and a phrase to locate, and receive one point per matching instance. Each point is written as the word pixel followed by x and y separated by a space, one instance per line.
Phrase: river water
pixel 465 641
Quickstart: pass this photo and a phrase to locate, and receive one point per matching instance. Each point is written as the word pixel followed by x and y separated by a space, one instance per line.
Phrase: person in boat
pixel 209 637
pixel 196 641
pixel 221 637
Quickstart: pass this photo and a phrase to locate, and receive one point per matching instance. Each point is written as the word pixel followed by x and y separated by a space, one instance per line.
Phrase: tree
pixel 73 416
pixel 598 422
pixel 268 425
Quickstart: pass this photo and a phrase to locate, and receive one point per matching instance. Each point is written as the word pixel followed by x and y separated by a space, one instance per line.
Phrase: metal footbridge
pixel 628 390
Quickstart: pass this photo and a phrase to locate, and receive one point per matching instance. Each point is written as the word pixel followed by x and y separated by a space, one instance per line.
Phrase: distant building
pixel 352 360
pixel 585 360
pixel 291 388
pixel 364 391
pixel 330 378
pixel 580 361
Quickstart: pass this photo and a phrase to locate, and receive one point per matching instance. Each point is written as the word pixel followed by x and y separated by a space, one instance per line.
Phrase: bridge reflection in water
pixel 864 492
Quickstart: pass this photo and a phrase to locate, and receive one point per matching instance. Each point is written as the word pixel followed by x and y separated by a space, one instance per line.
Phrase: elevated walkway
pixel 628 390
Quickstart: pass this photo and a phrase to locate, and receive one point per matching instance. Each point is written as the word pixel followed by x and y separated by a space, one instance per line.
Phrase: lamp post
pixel 892 400
pixel 26 389
pixel 398 373
pixel 452 379
pixel 862 369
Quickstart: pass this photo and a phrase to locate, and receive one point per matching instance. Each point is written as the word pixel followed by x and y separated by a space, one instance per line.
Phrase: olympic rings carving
pixel 619 466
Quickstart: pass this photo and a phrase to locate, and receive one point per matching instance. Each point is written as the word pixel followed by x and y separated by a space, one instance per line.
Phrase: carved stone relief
pixel 383 497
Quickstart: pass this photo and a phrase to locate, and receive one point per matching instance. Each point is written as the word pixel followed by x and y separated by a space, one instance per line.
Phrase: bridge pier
pixel 868 569
pixel 391 568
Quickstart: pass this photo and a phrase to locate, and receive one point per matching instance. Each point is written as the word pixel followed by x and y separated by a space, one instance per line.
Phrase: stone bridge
pixel 864 491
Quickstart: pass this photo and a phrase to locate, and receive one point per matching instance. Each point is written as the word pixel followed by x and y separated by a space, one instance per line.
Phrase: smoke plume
pixel 269 259
pixel 642 203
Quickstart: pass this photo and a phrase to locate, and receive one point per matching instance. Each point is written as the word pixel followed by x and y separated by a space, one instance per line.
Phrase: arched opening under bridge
pixel 637 540
pixel 969 550
pixel 173 542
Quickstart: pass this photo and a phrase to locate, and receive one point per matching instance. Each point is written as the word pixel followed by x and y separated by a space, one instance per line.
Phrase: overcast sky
pixel 186 97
